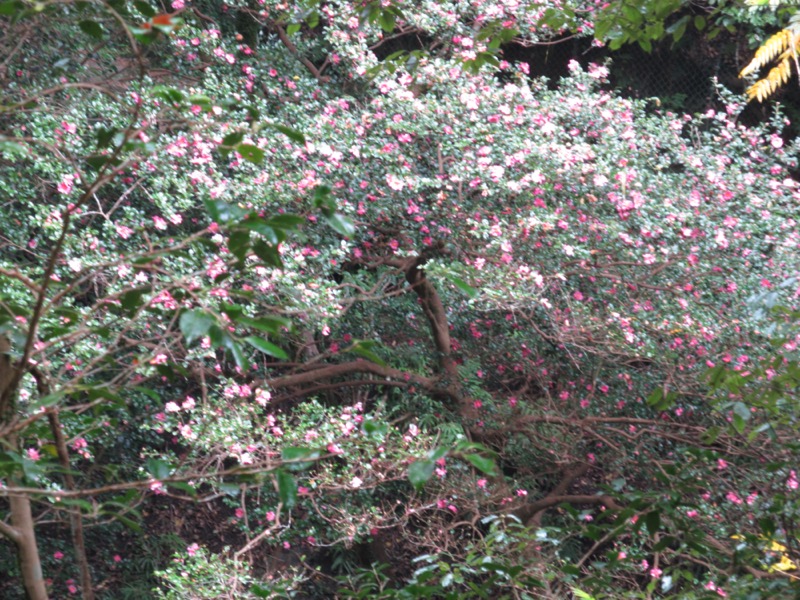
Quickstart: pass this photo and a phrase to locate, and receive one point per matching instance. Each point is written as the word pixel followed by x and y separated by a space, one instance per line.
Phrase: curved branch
pixel 293 49
pixel 528 511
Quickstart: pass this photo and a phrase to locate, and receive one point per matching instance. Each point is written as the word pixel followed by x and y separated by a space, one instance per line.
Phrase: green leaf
pixel 267 347
pixel 12 148
pixel 46 401
pixel 168 94
pixel 292 134
pixel 660 401
pixel 267 253
pixel 230 489
pixel 739 424
pixel 268 324
pixel 364 348
pixel 133 299
pixel 92 28
pixel 292 29
pixel 144 8
pixel 581 594
pixel 230 141
pixel 10 7
pixel 462 285
pixel 261 592
pixel 301 458
pixel 223 212
pixel 195 324
pixel 700 22
pixel 419 472
pixel 340 224
pixel 238 244
pixel 652 521
pixel 289 222
pixel 251 153
pixel 238 355
pixel 129 523
pixel 158 468
pixel 259 225
pixel 482 463
pixel 183 486
pixel 375 429
pixel 287 489
pixel 387 21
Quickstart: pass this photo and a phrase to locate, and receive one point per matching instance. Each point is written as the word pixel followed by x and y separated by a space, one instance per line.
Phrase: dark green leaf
pixel 267 347
pixel 290 222
pixel 92 28
pixel 652 521
pixel 387 21
pixel 230 141
pixel 158 468
pixel 251 153
pixel 375 429
pixel 340 224
pixel 231 489
pixel 483 464
pixel 10 7
pixel 287 488
pixel 292 134
pixel 462 285
pixel 269 324
pixel 419 472
pixel 267 253
pixel 299 458
pixel 238 244
pixel 195 324
pixel 144 8
pixel 364 348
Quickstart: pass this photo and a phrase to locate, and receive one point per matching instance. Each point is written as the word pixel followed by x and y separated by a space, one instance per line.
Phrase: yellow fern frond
pixel 775 45
pixel 777 76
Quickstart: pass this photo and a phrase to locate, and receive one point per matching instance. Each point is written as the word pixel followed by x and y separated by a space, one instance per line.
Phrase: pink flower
pixel 65 187
pixel 177 4
pixel 33 454
pixel 733 497
pixel 792 483
pixel 192 550
pixel 117 558
pixel 270 516
pixel 124 232
pixel 58 555
pixel 482 483
pixel 655 572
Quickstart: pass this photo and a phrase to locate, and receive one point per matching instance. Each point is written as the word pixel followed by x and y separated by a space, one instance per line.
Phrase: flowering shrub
pixel 367 315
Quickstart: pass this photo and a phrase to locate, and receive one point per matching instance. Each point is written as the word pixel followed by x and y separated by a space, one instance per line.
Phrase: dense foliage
pixel 287 313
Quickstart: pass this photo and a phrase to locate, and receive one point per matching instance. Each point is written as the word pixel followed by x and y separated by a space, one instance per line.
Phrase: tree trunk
pixel 21 531
pixel 29 563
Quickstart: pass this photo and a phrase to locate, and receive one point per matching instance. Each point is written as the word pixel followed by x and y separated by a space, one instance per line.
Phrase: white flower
pixel 356 482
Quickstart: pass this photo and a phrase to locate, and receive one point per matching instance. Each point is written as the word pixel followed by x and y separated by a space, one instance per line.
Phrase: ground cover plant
pixel 331 300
